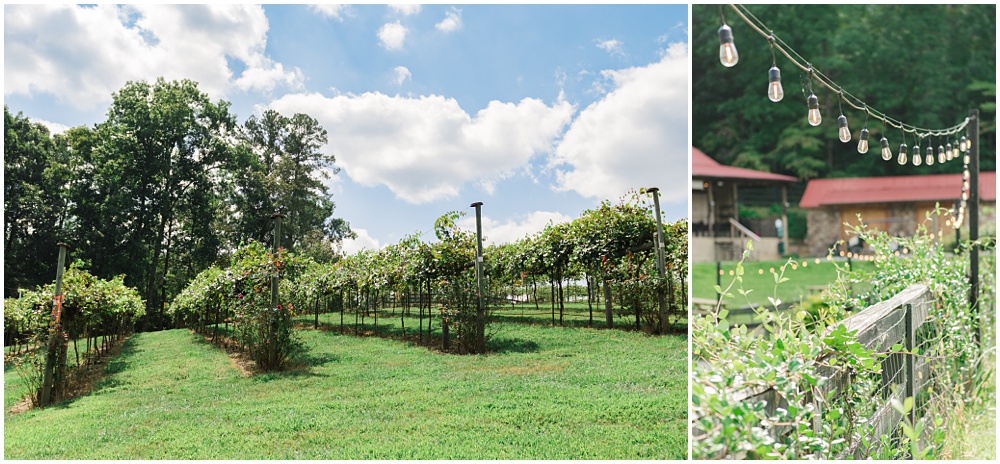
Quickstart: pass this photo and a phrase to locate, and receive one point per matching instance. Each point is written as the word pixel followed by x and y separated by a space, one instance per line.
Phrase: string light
pixel 729 57
pixel 886 152
pixel 842 131
pixel 812 102
pixel 727 49
pixel 774 90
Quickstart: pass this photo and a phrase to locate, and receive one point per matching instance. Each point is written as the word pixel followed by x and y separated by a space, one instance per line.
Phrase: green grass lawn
pixel 759 278
pixel 544 393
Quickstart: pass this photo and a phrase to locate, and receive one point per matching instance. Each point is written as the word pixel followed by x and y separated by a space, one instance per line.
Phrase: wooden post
pixel 909 366
pixel 52 357
pixel 660 243
pixel 607 304
pixel 444 332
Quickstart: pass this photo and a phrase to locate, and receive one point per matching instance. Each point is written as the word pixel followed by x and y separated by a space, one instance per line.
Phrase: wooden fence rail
pixel 898 320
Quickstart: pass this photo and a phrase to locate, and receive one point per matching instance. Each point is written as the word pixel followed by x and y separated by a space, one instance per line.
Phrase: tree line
pixel 166 186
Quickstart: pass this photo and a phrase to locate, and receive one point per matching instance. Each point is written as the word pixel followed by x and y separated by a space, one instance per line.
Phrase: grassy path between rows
pixel 558 393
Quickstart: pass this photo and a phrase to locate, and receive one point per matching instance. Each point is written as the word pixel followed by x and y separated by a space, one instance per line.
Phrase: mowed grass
pixel 545 393
pixel 759 277
pixel 578 314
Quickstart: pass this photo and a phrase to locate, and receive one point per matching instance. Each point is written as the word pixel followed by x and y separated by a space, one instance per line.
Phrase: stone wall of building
pixel 904 220
pixel 822 230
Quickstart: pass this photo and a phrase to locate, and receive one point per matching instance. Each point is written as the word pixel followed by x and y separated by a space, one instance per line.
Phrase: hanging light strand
pixel 846 97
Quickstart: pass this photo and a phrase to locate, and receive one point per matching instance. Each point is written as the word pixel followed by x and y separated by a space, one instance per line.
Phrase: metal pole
pixel 480 317
pixel 784 219
pixel 974 219
pixel 51 356
pixel 659 242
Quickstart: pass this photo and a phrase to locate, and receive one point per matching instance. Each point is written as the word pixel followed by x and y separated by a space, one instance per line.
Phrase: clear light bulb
pixel 774 91
pixel 886 151
pixel 863 141
pixel 965 159
pixel 941 158
pixel 727 49
pixel 965 175
pixel 965 186
pixel 843 131
pixel 917 159
pixel 930 156
pixel 902 154
pixel 813 103
pixel 963 145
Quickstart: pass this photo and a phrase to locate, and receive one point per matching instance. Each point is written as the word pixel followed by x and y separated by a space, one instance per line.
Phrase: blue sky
pixel 538 111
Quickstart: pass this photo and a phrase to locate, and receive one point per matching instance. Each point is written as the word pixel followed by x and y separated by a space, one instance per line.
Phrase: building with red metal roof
pixel 897 204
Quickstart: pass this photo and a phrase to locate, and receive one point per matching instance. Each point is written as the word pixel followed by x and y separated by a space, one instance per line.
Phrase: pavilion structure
pixel 716 233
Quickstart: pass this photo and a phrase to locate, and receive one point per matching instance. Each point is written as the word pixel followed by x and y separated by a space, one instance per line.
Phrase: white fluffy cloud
pixel 53 127
pixel 636 136
pixel 612 46
pixel 392 35
pixel 364 241
pixel 513 229
pixel 452 21
pixel 82 55
pixel 330 10
pixel 401 74
pixel 405 9
pixel 425 149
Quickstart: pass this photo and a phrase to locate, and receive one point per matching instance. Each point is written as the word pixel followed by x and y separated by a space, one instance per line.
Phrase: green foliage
pixel 241 294
pixel 789 364
pixel 798 352
pixel 90 307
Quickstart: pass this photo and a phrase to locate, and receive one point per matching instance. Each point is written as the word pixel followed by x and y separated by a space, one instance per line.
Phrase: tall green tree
pixel 156 183
pixel 37 173
pixel 288 168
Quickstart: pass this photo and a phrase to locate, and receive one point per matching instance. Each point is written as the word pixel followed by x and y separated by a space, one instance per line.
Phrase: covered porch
pixel 716 232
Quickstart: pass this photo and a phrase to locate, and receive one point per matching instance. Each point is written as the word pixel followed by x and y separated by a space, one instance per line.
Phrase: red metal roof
pixel 894 189
pixel 704 167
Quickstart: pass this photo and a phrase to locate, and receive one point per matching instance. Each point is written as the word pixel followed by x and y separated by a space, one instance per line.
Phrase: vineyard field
pixel 543 393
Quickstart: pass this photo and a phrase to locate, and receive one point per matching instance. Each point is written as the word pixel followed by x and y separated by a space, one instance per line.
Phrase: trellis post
pixel 51 357
pixel 659 243
pixel 480 317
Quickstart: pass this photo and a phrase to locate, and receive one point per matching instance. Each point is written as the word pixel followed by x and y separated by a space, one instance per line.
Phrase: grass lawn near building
pixel 806 276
